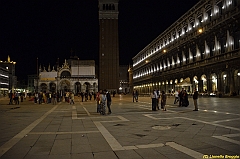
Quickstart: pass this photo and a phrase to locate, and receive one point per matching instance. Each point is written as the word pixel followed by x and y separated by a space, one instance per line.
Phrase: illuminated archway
pixel 204 79
pixel 52 87
pixel 65 86
pixel 214 82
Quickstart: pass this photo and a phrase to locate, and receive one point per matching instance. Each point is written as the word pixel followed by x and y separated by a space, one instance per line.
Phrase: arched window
pixel 65 74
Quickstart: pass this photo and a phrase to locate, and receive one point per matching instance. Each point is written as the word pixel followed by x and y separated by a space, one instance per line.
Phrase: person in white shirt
pixel 176 97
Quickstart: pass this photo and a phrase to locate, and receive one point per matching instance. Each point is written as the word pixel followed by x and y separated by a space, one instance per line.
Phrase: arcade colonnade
pixel 66 85
pixel 221 82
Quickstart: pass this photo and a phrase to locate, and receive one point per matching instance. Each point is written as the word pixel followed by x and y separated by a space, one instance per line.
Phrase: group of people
pixel 87 96
pixel 46 98
pixel 15 97
pixel 182 98
pixel 160 98
pixel 157 98
pixel 103 97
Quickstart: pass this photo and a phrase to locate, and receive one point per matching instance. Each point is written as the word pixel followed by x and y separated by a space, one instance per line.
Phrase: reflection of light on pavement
pixel 205 110
pixel 215 111
pixel 227 113
pixel 120 96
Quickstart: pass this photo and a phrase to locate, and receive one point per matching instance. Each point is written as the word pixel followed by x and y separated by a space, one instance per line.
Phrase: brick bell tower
pixel 108 45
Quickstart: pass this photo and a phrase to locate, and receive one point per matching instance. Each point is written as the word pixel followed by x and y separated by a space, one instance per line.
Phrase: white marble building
pixel 74 75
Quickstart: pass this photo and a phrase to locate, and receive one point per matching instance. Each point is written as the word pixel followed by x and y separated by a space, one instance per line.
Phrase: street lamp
pixel 37 76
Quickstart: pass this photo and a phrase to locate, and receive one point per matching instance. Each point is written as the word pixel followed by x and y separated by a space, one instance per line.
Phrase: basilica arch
pixel 52 87
pixel 64 85
pixel 77 87
pixel 43 87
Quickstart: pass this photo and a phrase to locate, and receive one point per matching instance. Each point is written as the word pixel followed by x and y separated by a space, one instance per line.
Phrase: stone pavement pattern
pixel 132 131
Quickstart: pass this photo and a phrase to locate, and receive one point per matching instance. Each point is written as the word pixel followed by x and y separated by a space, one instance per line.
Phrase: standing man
pixel 136 96
pixel 133 94
pixel 16 96
pixel 163 101
pixel 11 98
pixel 54 98
pixel 82 95
pixel 71 98
pixel 98 100
pixel 154 100
pixel 109 102
pixel 195 98
pixel 180 95
pixel 176 97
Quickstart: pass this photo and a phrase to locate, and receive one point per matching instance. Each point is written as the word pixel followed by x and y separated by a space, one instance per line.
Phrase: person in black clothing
pixel 180 96
pixel 185 101
pixel 94 96
pixel 90 95
pixel 11 98
pixel 109 102
pixel 195 98
pixel 82 95
pixel 114 92
pixel 86 96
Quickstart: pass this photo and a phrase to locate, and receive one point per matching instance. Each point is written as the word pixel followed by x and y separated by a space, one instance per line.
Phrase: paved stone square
pixel 132 131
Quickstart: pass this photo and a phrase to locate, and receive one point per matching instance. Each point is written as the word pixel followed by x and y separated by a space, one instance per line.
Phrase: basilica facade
pixel 74 75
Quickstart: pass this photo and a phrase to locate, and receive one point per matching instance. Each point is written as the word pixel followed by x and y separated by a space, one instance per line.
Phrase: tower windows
pixel 108 7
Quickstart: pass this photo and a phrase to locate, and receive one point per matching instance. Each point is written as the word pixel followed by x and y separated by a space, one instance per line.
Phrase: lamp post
pixel 78 84
pixel 37 76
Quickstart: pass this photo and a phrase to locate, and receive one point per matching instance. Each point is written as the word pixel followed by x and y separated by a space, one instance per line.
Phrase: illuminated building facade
pixel 4 81
pixel 75 75
pixel 10 66
pixel 200 50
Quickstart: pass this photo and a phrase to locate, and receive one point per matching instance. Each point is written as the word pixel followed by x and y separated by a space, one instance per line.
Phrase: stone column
pixel 219 84
pixel 209 85
pixel 231 82
pixel 200 85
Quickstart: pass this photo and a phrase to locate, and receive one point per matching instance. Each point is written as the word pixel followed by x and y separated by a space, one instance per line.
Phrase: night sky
pixel 48 29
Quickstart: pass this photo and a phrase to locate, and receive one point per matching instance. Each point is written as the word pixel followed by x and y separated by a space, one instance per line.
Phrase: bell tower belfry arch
pixel 108 45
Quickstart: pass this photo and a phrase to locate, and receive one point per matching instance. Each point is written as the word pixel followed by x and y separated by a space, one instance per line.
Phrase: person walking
pixel 94 96
pixel 176 97
pixel 71 98
pixel 133 95
pixel 86 96
pixel 136 96
pixel 109 102
pixel 54 98
pixel 163 101
pixel 98 100
pixel 82 95
pixel 154 100
pixel 11 98
pixel 103 99
pixel 195 98
pixel 16 97
pixel 158 98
